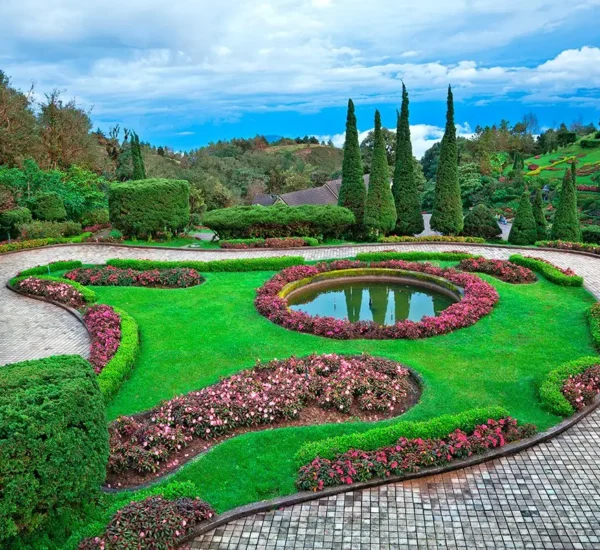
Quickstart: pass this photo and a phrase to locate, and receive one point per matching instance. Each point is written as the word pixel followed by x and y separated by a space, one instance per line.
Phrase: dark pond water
pixel 385 302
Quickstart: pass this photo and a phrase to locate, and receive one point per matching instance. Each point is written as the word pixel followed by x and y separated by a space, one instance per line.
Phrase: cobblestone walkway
pixel 545 498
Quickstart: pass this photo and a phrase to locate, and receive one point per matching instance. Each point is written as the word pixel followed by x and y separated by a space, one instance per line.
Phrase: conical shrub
pixel 566 219
pixel 524 230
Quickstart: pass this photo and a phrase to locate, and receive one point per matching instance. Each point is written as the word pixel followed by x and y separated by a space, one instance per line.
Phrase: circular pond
pixel 382 300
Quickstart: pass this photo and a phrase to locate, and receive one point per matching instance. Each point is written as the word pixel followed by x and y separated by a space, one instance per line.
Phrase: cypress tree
pixel 447 216
pixel 566 219
pixel 352 191
pixel 538 215
pixel 380 210
pixel 139 170
pixel 524 230
pixel 406 195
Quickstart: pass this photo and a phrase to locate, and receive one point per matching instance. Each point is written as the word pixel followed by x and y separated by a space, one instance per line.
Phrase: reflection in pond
pixel 382 302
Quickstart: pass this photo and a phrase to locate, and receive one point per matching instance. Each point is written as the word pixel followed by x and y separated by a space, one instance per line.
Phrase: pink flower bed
pixel 62 293
pixel 114 276
pixel 266 394
pixel 502 269
pixel 104 326
pixel 593 188
pixel 152 524
pixel 285 242
pixel 478 300
pixel 580 390
pixel 408 455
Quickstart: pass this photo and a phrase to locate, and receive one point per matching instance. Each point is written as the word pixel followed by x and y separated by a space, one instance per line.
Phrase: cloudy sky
pixel 185 72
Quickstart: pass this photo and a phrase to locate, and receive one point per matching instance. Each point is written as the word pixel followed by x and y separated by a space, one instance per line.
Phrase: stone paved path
pixel 545 498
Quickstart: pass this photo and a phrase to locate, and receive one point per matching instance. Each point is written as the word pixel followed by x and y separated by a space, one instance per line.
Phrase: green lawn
pixel 591 155
pixel 191 337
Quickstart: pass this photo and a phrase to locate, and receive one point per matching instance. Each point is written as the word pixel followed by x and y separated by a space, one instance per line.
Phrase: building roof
pixel 264 199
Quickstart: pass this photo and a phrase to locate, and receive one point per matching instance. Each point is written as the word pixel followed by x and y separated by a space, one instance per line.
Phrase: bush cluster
pixel 555 274
pixel 113 276
pixel 409 455
pixel 248 264
pixel 269 393
pixel 145 207
pixel 285 242
pixel 54 442
pixel 49 229
pixel 479 299
pixel 154 523
pixel 12 220
pixel 320 221
pixel 431 239
pixel 480 222
pixel 581 389
pixel 501 269
pixel 387 435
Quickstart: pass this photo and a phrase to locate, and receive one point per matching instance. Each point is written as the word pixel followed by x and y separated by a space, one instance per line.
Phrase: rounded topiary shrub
pixel 48 207
pixel 11 220
pixel 145 207
pixel 53 442
pixel 480 222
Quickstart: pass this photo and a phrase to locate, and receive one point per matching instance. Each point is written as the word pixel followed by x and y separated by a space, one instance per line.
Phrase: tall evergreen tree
pixel 406 195
pixel 566 219
pixel 353 193
pixel 447 216
pixel 380 210
pixel 523 230
pixel 538 215
pixel 139 170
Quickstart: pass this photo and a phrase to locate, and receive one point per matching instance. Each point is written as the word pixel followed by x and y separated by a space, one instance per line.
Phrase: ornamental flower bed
pixel 62 293
pixel 478 300
pixel 286 242
pixel 581 389
pixel 114 276
pixel 152 524
pixel 592 188
pixel 408 455
pixel 501 269
pixel 267 394
pixel 104 326
pixel 566 245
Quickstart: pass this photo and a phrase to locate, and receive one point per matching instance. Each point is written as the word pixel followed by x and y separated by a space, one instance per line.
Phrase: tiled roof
pixel 264 199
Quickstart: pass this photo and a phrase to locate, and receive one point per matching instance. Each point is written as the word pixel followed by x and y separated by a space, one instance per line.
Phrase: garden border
pixel 306 496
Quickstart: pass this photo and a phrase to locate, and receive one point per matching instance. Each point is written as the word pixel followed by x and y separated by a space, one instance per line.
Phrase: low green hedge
pixel 53 443
pixel 551 273
pixel 414 256
pixel 430 239
pixel 550 391
pixel 36 243
pixel 593 316
pixel 118 368
pixel 89 296
pixel 388 435
pixel 248 264
pixel 49 268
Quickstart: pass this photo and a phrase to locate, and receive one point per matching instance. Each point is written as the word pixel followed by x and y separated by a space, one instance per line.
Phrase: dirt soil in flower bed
pixel 311 415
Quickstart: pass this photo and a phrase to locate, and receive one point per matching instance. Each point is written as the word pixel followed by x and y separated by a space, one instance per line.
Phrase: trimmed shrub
pixel 387 435
pixel 145 207
pixel 48 207
pixel 539 217
pixel 551 393
pixel 249 264
pixel 49 268
pixel 524 229
pixel 116 371
pixel 431 239
pixel 590 143
pixel 11 220
pixel 591 234
pixel 45 229
pixel 54 442
pixel 279 221
pixel 416 256
pixel 480 222
pixel 556 275
pixel 593 317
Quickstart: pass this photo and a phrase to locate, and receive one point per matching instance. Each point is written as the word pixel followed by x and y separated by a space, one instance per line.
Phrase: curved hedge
pixel 551 389
pixel 145 207
pixel 593 316
pixel 551 272
pixel 49 268
pixel 387 435
pixel 53 441
pixel 279 221
pixel 416 256
pixel 247 264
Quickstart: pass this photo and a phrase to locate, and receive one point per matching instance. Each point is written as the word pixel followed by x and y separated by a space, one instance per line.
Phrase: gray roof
pixel 264 199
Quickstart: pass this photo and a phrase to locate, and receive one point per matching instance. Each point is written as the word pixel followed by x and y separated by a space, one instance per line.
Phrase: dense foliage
pixel 406 194
pixel 524 229
pixel 12 220
pixel 53 230
pixel 279 221
pixel 146 207
pixel 447 216
pixel 481 222
pixel 47 207
pixel 54 442
pixel 380 210
pixel 566 220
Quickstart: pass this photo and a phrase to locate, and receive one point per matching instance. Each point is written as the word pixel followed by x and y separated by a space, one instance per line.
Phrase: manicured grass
pixel 175 243
pixel 191 337
pixel 591 155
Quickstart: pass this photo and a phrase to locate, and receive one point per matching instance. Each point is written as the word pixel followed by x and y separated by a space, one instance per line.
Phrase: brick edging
pixel 306 496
